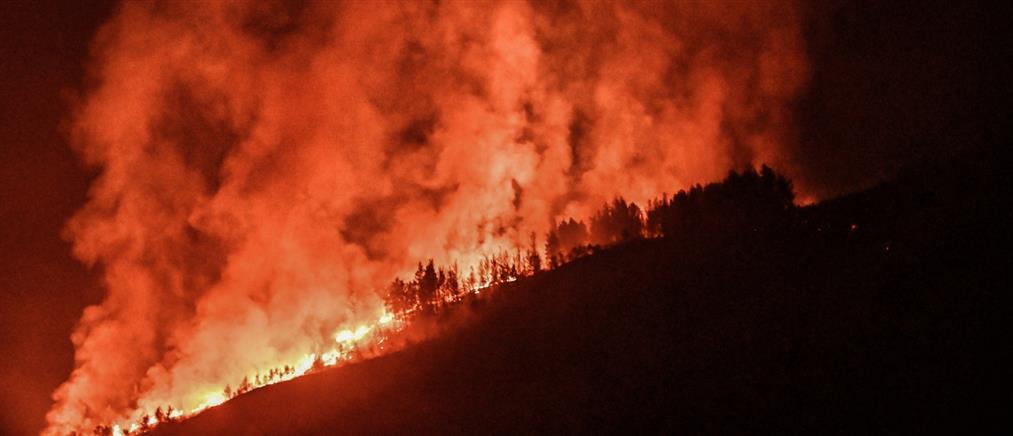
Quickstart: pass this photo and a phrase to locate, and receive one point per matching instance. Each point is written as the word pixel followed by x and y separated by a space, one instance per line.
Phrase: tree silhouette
pixel 472 281
pixel 553 252
pixel 572 234
pixel 618 222
pixel 565 242
pixel 318 364
pixel 449 285
pixel 428 284
pixel 398 298
pixel 483 272
pixel 244 386
pixel 742 202
pixel 534 260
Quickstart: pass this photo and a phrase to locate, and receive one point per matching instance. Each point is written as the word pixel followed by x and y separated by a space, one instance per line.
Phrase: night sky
pixel 42 288
pixel 890 85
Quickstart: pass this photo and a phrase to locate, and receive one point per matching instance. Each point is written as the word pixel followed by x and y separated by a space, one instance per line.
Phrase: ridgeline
pixel 872 313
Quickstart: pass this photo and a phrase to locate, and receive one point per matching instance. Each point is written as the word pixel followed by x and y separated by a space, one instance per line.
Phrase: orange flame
pixel 266 170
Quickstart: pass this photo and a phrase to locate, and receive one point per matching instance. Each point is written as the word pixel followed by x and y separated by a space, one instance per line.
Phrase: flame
pixel 261 181
pixel 346 336
pixel 210 400
pixel 304 364
pixel 330 358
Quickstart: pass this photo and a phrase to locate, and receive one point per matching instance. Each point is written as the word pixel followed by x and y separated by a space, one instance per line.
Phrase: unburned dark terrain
pixel 872 313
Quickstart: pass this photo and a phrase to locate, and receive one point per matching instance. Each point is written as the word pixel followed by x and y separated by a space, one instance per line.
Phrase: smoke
pixel 267 167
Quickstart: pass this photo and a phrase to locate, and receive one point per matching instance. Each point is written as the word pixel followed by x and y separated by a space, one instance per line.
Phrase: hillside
pixel 874 312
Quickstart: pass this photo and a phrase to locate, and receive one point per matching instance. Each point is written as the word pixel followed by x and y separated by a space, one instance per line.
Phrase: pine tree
pixel 244 386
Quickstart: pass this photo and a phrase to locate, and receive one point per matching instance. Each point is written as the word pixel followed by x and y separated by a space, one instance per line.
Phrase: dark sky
pixel 42 289
pixel 891 84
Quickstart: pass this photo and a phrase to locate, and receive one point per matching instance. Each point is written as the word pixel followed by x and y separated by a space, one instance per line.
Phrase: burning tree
pixel 399 299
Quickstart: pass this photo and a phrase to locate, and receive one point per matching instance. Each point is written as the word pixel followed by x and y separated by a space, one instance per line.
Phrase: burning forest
pixel 266 170
pixel 760 199
pixel 272 189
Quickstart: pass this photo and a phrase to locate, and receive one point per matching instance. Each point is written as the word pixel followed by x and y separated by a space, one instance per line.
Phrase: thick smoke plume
pixel 266 168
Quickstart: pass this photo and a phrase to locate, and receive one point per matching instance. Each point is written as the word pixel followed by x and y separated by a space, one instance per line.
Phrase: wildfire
pixel 263 171
pixel 345 340
pixel 346 336
pixel 435 288
pixel 211 400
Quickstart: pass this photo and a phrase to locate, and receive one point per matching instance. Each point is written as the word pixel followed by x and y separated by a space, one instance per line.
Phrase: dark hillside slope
pixel 890 325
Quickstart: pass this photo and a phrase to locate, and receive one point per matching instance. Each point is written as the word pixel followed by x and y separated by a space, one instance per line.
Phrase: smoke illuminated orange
pixel 266 171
